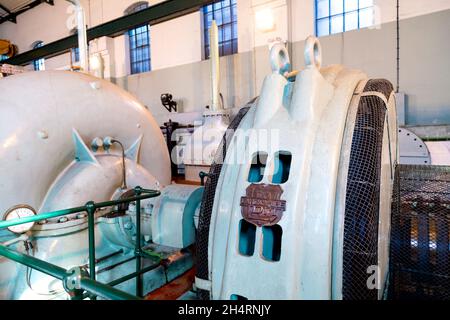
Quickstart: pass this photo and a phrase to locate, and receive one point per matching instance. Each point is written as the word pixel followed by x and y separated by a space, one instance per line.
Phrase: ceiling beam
pixel 14 20
pixel 12 16
pixel 155 14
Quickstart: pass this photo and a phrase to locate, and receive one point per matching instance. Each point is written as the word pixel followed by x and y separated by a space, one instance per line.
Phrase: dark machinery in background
pixel 168 103
pixel 419 258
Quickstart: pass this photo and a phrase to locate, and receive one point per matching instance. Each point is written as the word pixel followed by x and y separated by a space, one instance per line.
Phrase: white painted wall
pixel 179 41
pixel 176 49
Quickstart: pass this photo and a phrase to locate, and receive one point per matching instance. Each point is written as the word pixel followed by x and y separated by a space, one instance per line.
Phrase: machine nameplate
pixel 262 205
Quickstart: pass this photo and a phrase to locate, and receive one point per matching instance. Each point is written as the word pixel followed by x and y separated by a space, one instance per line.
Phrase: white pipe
pixel 215 67
pixel 82 35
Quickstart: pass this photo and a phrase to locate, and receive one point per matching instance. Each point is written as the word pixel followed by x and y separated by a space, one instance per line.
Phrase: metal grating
pixel 420 253
pixel 208 201
pixel 360 249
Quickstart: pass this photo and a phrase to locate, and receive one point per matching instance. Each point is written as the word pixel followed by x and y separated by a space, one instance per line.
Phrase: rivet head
pixel 42 134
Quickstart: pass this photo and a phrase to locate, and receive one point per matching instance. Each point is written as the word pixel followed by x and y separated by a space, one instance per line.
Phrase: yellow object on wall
pixel 7 48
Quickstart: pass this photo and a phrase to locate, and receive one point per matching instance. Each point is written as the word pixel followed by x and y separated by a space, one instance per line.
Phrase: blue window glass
pixel 39 64
pixel 139 37
pixel 75 55
pixel 225 14
pixel 335 16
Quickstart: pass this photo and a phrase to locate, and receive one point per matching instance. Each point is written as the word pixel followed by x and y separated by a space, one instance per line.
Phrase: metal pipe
pixel 133 275
pixel 215 66
pixel 82 35
pixel 103 290
pixel 54 214
pixel 91 226
pixel 138 247
pixel 124 171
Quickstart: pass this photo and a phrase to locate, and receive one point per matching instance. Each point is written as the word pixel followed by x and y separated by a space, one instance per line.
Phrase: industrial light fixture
pixel 264 20
pixel 97 65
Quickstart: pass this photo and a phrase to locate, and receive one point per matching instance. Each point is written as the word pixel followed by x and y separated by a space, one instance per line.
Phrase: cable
pixel 124 173
pixel 29 270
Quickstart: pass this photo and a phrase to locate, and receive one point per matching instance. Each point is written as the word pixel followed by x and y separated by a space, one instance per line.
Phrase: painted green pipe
pixel 54 214
pixel 103 290
pixel 43 216
pixel 32 262
pixel 133 275
pixel 87 284
pixel 138 245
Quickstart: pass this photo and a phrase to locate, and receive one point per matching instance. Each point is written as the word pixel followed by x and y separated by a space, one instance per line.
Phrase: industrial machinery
pixel 75 151
pixel 305 198
pixel 413 150
pixel 200 149
pixel 297 204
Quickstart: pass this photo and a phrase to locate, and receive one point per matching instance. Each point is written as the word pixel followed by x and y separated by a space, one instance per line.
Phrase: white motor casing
pixel 301 219
pixel 39 110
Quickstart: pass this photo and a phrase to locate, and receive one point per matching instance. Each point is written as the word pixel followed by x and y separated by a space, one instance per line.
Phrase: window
pixel 225 14
pixel 75 55
pixel 75 52
pixel 39 64
pixel 334 16
pixel 139 38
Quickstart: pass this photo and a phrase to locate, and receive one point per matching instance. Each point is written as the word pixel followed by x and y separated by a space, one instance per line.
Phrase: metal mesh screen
pixel 360 249
pixel 208 201
pixel 420 253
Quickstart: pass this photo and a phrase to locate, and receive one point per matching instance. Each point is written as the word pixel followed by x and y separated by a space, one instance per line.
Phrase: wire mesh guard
pixel 420 253
pixel 208 201
pixel 360 247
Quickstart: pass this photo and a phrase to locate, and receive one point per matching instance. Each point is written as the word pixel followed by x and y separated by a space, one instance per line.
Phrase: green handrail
pixel 146 194
pixel 86 283
pixel 32 262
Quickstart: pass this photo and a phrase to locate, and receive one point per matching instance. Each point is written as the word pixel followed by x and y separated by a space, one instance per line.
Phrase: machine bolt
pixel 81 215
pixel 128 226
pixel 42 134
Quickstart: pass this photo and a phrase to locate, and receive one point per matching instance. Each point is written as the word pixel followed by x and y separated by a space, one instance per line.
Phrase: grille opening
pixel 272 242
pixel 237 297
pixel 282 167
pixel 247 236
pixel 257 168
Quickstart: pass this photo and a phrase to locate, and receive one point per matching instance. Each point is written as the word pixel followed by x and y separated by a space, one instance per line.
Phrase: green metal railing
pixel 76 280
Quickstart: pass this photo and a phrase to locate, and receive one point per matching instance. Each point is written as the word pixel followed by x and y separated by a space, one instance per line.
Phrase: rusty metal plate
pixel 262 206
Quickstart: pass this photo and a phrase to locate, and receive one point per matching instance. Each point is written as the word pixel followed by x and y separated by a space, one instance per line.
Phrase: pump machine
pixel 304 199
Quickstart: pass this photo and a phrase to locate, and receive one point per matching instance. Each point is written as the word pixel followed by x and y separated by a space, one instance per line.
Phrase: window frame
pixel 39 64
pixel 233 40
pixel 343 14
pixel 134 50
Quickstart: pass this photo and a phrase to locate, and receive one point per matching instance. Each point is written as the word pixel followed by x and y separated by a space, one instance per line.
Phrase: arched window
pixel 39 64
pixel 225 14
pixel 335 16
pixel 75 52
pixel 139 40
pixel 75 55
